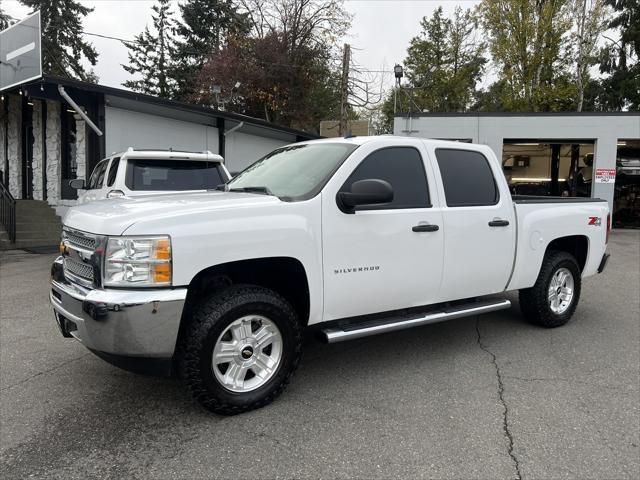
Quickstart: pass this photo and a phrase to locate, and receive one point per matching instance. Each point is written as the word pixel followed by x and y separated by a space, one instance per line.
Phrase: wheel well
pixel 576 245
pixel 283 275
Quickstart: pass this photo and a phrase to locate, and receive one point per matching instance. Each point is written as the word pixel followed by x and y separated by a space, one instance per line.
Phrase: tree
pixel 5 19
pixel 589 23
pixel 619 59
pixel 445 62
pixel 62 43
pixel 284 66
pixel 206 25
pixel 526 40
pixel 151 54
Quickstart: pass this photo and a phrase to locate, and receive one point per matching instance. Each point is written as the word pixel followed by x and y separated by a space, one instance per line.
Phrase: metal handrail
pixel 8 211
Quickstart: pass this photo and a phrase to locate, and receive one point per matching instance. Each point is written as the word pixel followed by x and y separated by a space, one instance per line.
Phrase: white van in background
pixel 148 172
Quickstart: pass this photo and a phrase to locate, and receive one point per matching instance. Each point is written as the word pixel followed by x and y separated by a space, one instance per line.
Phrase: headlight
pixel 138 261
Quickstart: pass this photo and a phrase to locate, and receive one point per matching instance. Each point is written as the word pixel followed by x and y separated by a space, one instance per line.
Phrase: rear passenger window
pixel 402 167
pixel 467 178
pixel 113 171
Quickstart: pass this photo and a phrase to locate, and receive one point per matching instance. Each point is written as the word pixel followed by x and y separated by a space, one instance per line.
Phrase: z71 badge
pixel 595 221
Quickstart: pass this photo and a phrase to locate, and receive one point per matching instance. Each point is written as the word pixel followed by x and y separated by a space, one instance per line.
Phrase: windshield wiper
pixel 261 190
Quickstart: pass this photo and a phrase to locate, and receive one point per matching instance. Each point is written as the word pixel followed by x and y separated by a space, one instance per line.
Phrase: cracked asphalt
pixel 487 397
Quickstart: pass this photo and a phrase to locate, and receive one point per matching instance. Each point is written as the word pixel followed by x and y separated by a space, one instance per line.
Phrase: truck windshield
pixel 166 175
pixel 295 172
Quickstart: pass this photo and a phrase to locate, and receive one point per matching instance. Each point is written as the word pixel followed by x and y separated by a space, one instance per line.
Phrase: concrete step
pixel 26 244
pixel 36 225
pixel 26 225
pixel 49 236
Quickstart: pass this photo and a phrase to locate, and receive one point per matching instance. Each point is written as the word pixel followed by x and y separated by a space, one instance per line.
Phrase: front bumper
pixel 121 326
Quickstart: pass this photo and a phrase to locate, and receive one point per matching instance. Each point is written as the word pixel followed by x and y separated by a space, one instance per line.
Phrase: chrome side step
pixel 350 332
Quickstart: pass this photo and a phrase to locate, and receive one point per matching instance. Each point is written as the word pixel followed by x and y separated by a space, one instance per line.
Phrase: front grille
pixel 79 240
pixel 79 269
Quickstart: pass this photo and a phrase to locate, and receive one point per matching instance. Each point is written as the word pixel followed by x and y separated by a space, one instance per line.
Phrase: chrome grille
pixel 79 240
pixel 79 269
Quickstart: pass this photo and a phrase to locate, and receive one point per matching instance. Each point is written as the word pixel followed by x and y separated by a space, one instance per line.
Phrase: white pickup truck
pixel 351 237
pixel 151 172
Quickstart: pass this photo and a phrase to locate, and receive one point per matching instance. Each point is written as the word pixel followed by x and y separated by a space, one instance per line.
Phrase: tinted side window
pixel 402 167
pixel 98 175
pixel 113 170
pixel 467 178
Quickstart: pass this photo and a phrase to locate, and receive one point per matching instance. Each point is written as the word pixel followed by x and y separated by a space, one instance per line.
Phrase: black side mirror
pixel 371 191
pixel 77 184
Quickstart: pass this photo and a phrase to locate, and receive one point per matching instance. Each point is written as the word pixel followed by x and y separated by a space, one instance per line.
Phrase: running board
pixel 353 331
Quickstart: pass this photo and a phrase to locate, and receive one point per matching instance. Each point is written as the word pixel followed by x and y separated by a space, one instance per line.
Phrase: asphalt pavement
pixel 487 397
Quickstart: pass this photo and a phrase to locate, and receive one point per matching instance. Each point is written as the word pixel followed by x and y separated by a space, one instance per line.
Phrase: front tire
pixel 554 297
pixel 240 349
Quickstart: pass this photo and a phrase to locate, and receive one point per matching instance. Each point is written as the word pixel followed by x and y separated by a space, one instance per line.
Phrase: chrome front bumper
pixel 114 322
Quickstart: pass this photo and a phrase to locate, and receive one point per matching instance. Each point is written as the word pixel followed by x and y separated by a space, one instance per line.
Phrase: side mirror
pixel 371 191
pixel 77 184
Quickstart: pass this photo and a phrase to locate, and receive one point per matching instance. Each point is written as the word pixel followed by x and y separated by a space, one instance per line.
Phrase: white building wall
pixel 126 128
pixel 490 130
pixel 242 149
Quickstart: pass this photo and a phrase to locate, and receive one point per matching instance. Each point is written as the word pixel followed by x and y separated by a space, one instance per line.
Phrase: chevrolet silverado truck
pixel 350 237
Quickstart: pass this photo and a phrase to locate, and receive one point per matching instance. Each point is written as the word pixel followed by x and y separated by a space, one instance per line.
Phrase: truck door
pixel 479 225
pixel 381 257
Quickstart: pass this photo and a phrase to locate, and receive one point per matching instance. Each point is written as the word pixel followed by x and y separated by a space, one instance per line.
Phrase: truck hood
pixel 114 216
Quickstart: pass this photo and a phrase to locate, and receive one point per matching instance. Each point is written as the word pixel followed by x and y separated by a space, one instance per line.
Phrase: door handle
pixel 425 227
pixel 499 223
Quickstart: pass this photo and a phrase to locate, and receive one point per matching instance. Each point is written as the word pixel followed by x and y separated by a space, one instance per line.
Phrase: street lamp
pixel 399 73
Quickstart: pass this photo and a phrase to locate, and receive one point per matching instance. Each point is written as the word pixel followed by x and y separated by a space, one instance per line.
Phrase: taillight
pixel 608 227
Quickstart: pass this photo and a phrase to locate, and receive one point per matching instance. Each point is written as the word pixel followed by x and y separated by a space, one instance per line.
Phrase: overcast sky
pixel 380 32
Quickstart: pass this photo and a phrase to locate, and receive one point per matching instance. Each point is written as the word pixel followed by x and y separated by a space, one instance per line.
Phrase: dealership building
pixel 45 143
pixel 571 153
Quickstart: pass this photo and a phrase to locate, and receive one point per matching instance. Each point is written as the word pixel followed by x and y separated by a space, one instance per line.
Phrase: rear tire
pixel 240 349
pixel 554 297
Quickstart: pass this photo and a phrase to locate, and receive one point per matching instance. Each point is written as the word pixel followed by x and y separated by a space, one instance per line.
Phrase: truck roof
pixel 361 140
pixel 169 155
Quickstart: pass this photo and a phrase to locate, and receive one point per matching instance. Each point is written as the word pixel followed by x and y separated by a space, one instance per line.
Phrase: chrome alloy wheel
pixel 560 291
pixel 247 353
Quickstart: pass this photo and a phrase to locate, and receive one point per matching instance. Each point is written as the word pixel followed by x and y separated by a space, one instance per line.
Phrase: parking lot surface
pixel 487 397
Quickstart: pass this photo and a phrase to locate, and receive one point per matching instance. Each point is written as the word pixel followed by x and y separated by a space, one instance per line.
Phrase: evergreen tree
pixel 444 63
pixel 621 88
pixel 62 43
pixel 5 19
pixel 205 27
pixel 151 55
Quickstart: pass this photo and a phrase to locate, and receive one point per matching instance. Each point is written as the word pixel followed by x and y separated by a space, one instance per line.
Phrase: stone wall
pixel 3 136
pixel 81 147
pixel 54 152
pixel 14 135
pixel 37 149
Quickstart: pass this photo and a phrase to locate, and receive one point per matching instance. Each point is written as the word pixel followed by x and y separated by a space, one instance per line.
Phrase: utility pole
pixel 344 89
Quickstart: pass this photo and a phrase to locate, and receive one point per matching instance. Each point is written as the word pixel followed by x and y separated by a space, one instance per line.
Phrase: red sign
pixel 605 175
